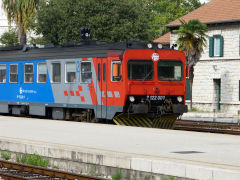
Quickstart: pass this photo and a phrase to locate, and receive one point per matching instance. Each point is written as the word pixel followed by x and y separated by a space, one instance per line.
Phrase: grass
pixel 5 155
pixel 194 109
pixel 166 178
pixel 32 159
pixel 56 167
pixel 118 175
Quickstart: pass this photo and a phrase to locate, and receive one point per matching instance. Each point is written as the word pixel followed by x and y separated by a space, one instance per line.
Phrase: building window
pixel 13 73
pixel 28 73
pixel 86 72
pixel 70 72
pixel 216 46
pixel 56 72
pixel 3 70
pixel 239 44
pixel 42 72
pixel 239 90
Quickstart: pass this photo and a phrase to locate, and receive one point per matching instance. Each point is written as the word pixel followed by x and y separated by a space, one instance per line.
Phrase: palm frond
pixel 20 11
pixel 192 38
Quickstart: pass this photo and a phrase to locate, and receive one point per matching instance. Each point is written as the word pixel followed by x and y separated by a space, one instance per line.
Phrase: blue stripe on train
pixel 26 92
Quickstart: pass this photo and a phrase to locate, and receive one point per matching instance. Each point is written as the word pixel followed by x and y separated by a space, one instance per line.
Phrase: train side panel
pixel 25 92
pixel 101 95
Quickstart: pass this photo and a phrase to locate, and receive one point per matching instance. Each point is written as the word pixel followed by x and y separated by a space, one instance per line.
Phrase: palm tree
pixel 192 40
pixel 22 13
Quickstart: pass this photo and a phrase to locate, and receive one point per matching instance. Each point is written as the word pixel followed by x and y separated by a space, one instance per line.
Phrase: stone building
pixel 216 83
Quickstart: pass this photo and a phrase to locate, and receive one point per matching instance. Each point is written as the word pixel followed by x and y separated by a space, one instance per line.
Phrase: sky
pixel 202 1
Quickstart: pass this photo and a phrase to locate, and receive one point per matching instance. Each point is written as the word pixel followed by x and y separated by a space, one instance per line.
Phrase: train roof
pixel 70 50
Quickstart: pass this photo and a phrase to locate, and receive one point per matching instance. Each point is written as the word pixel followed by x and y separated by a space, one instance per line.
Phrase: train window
pixel 56 72
pixel 104 72
pixel 28 73
pixel 140 70
pixel 3 70
pixel 70 72
pixel 170 70
pixel 42 73
pixel 116 71
pixel 99 72
pixel 86 72
pixel 13 73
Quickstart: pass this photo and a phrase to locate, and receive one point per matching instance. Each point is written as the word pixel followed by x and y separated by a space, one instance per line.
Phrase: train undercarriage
pixel 144 111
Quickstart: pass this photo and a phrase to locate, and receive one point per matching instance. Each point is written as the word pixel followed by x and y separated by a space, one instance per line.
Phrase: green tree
pixel 22 13
pixel 110 20
pixel 165 11
pixel 9 38
pixel 192 40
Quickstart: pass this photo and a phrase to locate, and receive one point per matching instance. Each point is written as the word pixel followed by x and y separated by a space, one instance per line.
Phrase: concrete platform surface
pixel 177 153
pixel 211 117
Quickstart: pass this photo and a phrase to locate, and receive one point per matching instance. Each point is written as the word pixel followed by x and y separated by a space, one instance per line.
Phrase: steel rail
pixel 41 172
pixel 213 127
pixel 11 177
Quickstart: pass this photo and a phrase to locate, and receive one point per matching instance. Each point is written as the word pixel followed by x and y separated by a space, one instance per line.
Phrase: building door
pixel 217 93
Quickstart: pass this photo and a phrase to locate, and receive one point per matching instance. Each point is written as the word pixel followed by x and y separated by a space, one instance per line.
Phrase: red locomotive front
pixel 153 86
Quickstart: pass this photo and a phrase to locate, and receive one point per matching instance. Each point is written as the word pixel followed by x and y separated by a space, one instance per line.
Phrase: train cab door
pixel 102 88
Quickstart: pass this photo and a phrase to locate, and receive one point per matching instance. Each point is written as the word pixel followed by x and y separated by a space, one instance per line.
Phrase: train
pixel 130 83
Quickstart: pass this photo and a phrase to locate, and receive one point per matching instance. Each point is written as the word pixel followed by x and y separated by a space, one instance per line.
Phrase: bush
pixel 38 41
pixel 9 38
pixel 5 155
pixel 32 159
pixel 118 175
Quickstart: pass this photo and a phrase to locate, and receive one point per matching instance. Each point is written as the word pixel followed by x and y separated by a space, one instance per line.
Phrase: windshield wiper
pixel 147 75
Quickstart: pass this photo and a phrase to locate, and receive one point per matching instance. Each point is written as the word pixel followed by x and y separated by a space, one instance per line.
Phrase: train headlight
pixel 179 98
pixel 131 98
pixel 160 46
pixel 149 45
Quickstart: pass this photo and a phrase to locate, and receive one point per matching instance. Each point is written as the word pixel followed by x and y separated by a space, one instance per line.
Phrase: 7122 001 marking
pixel 156 98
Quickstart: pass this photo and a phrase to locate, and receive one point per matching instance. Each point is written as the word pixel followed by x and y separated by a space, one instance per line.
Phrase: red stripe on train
pixel 72 93
pixel 93 93
pixel 65 93
pixel 84 59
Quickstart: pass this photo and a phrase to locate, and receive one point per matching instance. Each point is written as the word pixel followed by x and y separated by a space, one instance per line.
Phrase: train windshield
pixel 170 70
pixel 141 70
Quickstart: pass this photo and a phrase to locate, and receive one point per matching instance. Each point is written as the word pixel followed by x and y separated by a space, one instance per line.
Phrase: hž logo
pixel 20 90
pixel 155 56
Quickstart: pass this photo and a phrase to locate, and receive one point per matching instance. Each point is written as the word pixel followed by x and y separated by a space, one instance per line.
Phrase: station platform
pixel 211 117
pixel 188 155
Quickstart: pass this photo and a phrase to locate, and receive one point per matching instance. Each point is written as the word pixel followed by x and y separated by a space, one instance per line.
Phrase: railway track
pixel 16 171
pixel 213 127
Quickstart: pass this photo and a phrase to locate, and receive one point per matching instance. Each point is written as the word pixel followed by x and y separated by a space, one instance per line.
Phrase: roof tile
pixel 165 39
pixel 214 11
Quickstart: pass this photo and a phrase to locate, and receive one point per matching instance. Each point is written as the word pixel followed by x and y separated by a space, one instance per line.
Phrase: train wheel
pixel 164 122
